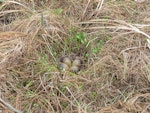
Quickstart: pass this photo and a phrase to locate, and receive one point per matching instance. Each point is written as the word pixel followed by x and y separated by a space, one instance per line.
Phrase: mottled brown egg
pixel 74 69
pixel 77 62
pixel 63 66
pixel 66 60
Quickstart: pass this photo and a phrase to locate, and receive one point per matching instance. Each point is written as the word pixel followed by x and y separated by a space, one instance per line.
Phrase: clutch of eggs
pixel 66 64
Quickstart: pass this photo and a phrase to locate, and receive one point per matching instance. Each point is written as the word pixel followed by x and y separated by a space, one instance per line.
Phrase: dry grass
pixel 115 77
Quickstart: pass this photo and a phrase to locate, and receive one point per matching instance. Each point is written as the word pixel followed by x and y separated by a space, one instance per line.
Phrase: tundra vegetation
pixel 110 36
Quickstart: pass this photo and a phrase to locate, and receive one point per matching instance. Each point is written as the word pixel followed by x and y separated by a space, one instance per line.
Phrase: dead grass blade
pixel 9 106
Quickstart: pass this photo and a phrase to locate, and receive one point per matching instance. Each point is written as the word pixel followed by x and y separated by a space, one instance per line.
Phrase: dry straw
pixel 12 47
pixel 115 79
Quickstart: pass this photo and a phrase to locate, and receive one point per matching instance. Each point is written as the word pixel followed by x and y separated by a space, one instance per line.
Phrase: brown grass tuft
pixel 110 36
pixel 12 46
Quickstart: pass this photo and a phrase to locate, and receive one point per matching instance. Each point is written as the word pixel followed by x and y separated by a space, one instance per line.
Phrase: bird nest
pixel 12 47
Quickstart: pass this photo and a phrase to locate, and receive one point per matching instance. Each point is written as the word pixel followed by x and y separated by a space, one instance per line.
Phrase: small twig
pixel 85 9
pixel 91 41
pixel 148 40
pixel 131 49
pixel 9 106
pixel 99 6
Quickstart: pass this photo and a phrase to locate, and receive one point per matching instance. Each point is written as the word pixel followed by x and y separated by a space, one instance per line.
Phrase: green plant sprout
pixel 58 11
pixel 98 46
